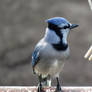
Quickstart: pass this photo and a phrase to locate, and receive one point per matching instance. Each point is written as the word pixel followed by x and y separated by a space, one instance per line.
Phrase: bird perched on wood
pixel 50 52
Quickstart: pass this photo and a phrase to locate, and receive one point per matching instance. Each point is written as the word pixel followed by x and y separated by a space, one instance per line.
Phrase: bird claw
pixel 58 89
pixel 40 89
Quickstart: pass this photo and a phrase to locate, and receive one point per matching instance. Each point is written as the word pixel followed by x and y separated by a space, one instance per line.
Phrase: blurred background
pixel 22 25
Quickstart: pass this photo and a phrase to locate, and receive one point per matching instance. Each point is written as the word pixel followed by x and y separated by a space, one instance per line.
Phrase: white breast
pixel 50 52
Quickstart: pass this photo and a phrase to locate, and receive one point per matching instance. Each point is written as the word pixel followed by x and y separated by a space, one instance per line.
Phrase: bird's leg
pixel 58 88
pixel 40 84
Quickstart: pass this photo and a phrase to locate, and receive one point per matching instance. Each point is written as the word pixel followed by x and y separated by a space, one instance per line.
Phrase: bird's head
pixel 60 23
pixel 59 27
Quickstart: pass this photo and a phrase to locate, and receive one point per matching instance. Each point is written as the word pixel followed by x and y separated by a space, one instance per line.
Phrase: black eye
pixel 68 26
pixel 65 27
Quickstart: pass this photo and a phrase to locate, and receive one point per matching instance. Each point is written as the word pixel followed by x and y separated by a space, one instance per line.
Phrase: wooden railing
pixel 51 89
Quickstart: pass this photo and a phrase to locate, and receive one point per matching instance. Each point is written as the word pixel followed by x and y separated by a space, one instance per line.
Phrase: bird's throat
pixel 60 46
pixel 57 39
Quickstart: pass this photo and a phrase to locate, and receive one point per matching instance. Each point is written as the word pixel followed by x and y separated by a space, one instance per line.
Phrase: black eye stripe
pixel 55 27
pixel 68 26
pixel 60 46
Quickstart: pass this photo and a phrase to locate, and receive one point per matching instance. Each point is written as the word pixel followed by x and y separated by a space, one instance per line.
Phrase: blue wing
pixel 35 57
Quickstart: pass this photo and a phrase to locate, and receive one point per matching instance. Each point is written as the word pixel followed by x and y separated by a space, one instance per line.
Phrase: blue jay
pixel 50 52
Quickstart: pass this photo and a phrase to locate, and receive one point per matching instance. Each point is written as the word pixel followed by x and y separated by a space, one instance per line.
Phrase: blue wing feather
pixel 35 56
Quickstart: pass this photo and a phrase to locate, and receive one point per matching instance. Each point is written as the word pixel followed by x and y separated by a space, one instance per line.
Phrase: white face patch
pixel 65 33
pixel 51 37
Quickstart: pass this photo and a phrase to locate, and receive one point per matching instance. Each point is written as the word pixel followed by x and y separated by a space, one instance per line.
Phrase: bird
pixel 51 51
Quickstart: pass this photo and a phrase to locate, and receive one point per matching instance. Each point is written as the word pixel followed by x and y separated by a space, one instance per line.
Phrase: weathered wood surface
pixel 51 89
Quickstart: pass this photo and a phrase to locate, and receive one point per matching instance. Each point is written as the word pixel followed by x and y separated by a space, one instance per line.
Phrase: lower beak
pixel 73 26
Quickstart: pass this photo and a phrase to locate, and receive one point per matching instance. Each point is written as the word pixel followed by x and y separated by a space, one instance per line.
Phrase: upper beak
pixel 73 26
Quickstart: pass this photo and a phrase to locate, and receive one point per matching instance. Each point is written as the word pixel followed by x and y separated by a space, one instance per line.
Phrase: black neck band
pixel 60 46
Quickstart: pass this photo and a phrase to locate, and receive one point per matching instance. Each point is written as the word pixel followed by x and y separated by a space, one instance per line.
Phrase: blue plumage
pixel 51 51
pixel 57 21
pixel 35 57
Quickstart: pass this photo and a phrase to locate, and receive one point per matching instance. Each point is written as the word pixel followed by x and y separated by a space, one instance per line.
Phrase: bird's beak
pixel 73 26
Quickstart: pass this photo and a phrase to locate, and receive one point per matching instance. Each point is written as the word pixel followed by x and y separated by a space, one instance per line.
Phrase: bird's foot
pixel 58 89
pixel 40 89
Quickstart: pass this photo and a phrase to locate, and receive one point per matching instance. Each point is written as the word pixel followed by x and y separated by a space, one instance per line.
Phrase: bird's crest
pixel 57 21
